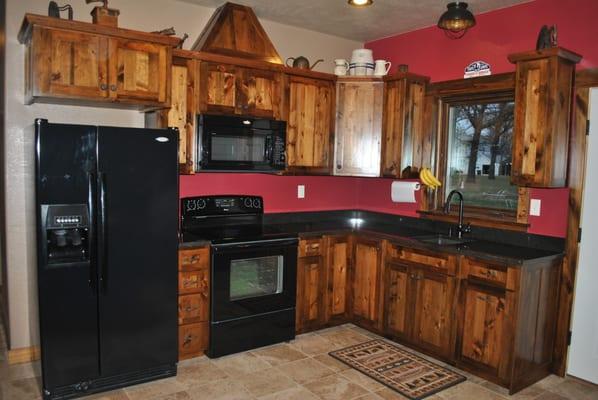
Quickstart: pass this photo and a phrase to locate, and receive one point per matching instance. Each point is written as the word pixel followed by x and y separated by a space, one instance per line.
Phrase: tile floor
pixel 299 370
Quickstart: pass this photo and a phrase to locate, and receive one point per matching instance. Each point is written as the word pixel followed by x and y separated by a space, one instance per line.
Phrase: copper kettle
pixel 301 62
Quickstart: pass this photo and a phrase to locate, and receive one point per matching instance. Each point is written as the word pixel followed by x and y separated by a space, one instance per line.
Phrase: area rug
pixel 400 370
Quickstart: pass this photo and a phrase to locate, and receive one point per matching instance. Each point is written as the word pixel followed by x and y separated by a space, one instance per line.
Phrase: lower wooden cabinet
pixel 311 286
pixel 194 301
pixel 365 280
pixel 338 261
pixel 398 301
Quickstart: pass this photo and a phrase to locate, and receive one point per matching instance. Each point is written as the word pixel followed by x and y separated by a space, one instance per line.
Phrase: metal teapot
pixel 301 62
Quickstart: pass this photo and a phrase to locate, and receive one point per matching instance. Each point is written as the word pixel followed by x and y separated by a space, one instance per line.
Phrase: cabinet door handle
pixel 484 298
pixel 188 340
pixel 113 88
pixel 103 86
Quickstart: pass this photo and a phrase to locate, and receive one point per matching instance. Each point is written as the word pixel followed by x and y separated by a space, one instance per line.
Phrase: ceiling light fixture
pixel 456 20
pixel 360 3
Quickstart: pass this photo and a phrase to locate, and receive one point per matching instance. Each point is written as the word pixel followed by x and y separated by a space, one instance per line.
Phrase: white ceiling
pixel 384 18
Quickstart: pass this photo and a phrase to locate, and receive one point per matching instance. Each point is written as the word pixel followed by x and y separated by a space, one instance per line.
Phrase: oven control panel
pixel 205 206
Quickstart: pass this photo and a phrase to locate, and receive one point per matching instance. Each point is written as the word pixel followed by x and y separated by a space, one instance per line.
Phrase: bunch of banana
pixel 428 179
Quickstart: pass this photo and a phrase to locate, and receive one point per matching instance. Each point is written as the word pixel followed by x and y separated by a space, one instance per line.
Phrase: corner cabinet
pixel 80 63
pixel 543 95
pixel 359 104
pixel 403 125
pixel 310 124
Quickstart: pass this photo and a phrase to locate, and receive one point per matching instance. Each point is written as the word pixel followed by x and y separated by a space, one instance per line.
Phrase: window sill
pixel 476 219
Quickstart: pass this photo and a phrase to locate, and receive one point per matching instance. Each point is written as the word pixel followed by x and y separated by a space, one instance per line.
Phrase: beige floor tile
pixel 240 364
pixel 279 354
pixel 552 396
pixel 112 395
pixel 469 391
pixel 389 394
pixel 575 390
pixel 549 382
pixel 297 393
pixel 22 389
pixel 312 345
pixel 19 371
pixel 154 389
pixel 174 396
pixel 529 393
pixel 200 373
pixel 266 382
pixel 344 338
pixel 335 387
pixel 355 376
pixel 332 362
pixel 220 390
pixel 305 370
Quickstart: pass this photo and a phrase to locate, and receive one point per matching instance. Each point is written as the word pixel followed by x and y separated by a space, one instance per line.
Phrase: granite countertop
pixel 490 246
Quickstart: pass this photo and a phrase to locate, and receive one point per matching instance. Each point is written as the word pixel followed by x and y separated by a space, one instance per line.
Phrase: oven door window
pixel 247 148
pixel 256 277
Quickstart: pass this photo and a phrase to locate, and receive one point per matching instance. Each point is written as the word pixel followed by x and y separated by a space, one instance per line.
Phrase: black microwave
pixel 226 143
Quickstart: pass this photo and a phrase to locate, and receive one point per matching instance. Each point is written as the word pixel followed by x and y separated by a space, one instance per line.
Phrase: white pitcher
pixel 382 67
pixel 341 67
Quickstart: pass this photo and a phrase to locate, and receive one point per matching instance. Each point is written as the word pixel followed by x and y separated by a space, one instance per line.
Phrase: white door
pixel 583 355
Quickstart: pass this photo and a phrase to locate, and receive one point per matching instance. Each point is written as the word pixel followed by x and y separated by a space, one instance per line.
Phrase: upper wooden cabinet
pixel 359 104
pixel 543 93
pixel 310 124
pixel 81 63
pixel 402 131
pixel 230 89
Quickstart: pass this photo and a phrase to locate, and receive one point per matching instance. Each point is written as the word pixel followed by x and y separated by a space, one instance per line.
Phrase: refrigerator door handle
pixel 91 193
pixel 102 248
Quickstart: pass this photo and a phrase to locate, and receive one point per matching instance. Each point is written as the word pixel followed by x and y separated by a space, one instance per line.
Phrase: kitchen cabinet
pixel 543 94
pixel 398 301
pixel 403 129
pixel 182 111
pixel 229 89
pixel 311 285
pixel 359 103
pixel 339 289
pixel 194 301
pixel 366 280
pixel 80 63
pixel 310 124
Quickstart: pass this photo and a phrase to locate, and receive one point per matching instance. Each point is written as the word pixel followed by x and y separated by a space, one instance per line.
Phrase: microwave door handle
pixel 268 149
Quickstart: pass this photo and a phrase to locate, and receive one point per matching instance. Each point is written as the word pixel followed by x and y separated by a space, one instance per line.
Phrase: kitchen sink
pixel 442 240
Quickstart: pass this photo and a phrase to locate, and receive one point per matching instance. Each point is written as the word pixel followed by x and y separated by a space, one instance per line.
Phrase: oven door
pixel 253 278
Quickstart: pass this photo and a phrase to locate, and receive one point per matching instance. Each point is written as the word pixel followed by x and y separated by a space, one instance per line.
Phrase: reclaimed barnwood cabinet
pixel 234 90
pixel 310 124
pixel 543 94
pixel 359 106
pixel 194 301
pixel 366 278
pixel 311 285
pixel 338 260
pixel 403 130
pixel 80 63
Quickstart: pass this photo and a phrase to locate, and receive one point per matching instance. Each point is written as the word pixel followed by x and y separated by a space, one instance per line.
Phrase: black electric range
pixel 253 272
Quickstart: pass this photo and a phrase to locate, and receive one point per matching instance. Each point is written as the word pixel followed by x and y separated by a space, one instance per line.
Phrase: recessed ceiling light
pixel 360 3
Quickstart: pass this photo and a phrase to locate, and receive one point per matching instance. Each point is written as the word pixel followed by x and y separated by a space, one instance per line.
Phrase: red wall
pixel 498 33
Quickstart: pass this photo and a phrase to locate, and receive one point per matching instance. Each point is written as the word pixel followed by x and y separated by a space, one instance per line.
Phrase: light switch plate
pixel 535 206
pixel 300 191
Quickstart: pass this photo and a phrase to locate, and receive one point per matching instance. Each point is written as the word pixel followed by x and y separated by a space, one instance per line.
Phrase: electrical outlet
pixel 535 206
pixel 300 191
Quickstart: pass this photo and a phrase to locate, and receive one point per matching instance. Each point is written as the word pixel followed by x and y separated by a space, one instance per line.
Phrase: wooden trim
pixel 24 355
pixel 477 220
pixel 586 78
pixel 486 84
pixel 544 53
pixel 365 79
pixel 57 23
pixel 576 178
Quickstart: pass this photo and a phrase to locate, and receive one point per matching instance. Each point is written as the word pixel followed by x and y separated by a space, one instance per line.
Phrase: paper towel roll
pixel 404 192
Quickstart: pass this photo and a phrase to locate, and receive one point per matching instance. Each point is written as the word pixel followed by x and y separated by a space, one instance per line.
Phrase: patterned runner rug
pixel 408 374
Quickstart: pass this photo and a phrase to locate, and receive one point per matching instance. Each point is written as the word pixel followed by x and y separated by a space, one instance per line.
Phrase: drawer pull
pixel 189 309
pixel 484 298
pixel 188 340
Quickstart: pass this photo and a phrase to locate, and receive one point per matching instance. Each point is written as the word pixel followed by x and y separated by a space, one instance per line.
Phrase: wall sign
pixel 477 68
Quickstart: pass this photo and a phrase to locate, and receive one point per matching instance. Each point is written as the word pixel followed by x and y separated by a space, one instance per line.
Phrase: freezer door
pixel 65 157
pixel 137 248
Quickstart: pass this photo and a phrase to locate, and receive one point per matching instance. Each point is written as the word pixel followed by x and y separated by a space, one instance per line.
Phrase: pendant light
pixel 456 20
pixel 360 3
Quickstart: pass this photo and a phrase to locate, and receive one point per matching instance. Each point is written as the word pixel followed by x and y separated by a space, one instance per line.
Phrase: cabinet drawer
pixel 194 259
pixel 490 273
pixel 193 308
pixel 310 247
pixel 193 340
pixel 438 261
pixel 193 281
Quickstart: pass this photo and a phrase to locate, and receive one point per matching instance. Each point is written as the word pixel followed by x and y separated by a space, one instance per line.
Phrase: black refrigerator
pixel 107 220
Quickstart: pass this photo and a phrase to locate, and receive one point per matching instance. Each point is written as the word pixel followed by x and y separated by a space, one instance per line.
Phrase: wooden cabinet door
pixel 398 300
pixel 366 279
pixel 339 261
pixel 218 88
pixel 139 71
pixel 182 110
pixel 259 93
pixel 309 124
pixel 311 284
pixel 358 128
pixel 68 64
pixel 403 133
pixel 483 333
pixel 433 316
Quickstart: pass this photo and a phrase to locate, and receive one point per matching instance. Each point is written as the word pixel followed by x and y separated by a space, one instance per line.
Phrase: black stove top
pixel 225 219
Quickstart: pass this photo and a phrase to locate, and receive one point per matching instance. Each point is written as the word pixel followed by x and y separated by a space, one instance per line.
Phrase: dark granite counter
pixel 493 245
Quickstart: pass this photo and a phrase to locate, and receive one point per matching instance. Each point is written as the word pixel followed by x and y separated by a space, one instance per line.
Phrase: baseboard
pixel 23 355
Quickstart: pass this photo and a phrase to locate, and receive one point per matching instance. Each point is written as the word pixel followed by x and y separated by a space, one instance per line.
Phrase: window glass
pixel 480 154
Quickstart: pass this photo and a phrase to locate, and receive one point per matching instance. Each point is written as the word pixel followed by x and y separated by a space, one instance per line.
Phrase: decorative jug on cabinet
pixel 301 62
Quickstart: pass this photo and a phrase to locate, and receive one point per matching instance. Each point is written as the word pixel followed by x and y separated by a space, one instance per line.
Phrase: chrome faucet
pixel 461 229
